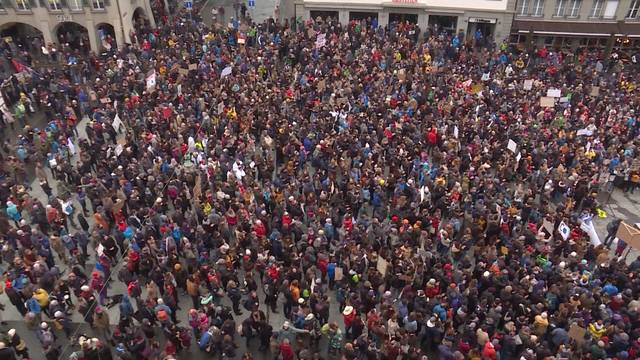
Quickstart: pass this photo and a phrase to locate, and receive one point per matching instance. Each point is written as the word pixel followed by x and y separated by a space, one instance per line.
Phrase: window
pixel 98 4
pixel 75 5
pixel 22 5
pixel 560 6
pixel 538 8
pixel 634 9
pixel 596 10
pixel 55 5
pixel 523 7
pixel 574 8
pixel 610 9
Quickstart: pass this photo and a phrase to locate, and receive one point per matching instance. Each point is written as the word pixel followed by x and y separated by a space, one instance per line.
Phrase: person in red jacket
pixel 260 229
pixel 348 315
pixel 286 351
pixel 489 351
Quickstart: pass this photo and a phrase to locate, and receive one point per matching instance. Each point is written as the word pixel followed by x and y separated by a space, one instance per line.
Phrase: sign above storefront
pixel 482 20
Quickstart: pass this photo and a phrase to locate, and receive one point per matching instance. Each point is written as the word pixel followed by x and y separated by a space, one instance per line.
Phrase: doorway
pixel 485 28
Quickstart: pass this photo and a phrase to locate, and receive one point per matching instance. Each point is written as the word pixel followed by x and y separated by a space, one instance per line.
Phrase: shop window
pixel 362 15
pixel 610 9
pixel 596 9
pixel 55 5
pixel 573 10
pixel 523 8
pixel 324 15
pixel 22 5
pixel 98 4
pixel 538 8
pixel 75 5
pixel 634 9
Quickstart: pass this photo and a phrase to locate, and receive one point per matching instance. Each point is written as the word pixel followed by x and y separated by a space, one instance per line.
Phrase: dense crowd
pixel 410 178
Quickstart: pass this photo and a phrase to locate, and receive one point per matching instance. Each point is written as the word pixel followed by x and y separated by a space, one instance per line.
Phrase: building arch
pixel 139 18
pixel 22 35
pixel 106 37
pixel 70 34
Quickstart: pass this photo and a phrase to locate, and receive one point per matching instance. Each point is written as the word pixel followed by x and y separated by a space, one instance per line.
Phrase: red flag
pixel 18 66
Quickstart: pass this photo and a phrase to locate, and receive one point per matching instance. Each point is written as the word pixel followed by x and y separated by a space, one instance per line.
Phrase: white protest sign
pixel 554 93
pixel 455 131
pixel 118 150
pixel 512 146
pixel 226 71
pixel 564 230
pixel 321 40
pixel 528 84
pixel 116 122
pixel 151 80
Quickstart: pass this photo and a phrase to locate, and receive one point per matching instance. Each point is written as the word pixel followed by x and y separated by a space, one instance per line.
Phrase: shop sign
pixel 482 20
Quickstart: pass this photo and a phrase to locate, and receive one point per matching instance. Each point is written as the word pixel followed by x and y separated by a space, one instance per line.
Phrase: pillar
pixel 149 13
pixel 118 29
pixel 47 32
pixel 94 42
pixel 423 20
pixel 611 41
pixel 343 17
pixel 383 18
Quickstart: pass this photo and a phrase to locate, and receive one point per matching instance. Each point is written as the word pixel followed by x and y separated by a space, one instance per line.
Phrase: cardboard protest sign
pixel 381 266
pixel 402 75
pixel 339 274
pixel 183 72
pixel 576 332
pixel 197 189
pixel 595 91
pixel 546 101
pixel 629 234
pixel 193 67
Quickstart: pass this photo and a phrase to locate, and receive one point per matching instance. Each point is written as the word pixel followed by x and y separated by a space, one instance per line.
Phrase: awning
pixel 577 28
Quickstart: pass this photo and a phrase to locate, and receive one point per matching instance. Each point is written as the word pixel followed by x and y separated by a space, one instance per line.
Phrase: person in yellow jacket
pixel 540 324
pixel 42 296
pixel 597 329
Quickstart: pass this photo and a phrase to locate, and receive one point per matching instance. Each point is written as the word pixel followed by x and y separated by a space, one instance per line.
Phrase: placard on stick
pixel 629 234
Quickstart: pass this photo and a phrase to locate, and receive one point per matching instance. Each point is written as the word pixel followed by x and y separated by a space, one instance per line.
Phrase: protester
pixel 415 178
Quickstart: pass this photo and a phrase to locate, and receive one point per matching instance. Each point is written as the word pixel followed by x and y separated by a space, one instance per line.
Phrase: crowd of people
pixel 412 179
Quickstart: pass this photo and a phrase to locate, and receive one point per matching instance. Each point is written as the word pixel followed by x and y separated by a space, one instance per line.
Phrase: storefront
pixel 489 17
pixel 485 26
